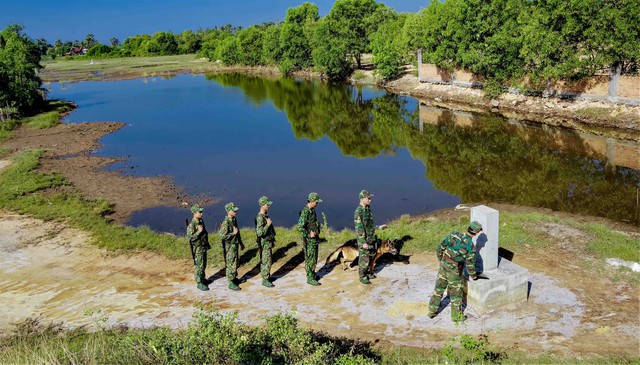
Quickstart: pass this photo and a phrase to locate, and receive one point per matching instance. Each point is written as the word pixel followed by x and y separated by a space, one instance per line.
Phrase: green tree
pixel 354 21
pixel 20 85
pixel 250 45
pixel 330 54
pixel 387 48
pixel 89 41
pixel 99 51
pixel 271 50
pixel 165 44
pixel 114 42
pixel 228 52
pixel 189 42
pixel 295 43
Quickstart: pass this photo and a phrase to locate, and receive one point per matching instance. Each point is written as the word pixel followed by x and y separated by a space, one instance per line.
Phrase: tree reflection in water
pixel 479 157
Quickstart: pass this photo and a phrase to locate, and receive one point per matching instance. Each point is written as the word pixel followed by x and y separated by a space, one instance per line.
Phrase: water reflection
pixel 476 157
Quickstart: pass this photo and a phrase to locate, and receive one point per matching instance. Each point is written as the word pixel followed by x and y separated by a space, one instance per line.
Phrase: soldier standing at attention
pixel 310 229
pixel 453 252
pixel 366 231
pixel 266 235
pixel 230 235
pixel 199 242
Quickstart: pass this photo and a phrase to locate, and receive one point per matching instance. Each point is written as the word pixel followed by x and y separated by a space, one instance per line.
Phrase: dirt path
pixel 51 270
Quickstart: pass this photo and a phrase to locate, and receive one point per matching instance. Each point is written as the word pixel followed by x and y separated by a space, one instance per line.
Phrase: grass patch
pixel 48 118
pixel 610 244
pixel 211 338
pixel 215 338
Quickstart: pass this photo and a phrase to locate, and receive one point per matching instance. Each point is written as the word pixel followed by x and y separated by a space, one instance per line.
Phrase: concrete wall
pixel 613 88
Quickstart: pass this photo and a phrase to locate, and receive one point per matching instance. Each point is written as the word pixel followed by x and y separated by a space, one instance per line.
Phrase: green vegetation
pixel 516 43
pixel 52 112
pixel 214 338
pixel 20 92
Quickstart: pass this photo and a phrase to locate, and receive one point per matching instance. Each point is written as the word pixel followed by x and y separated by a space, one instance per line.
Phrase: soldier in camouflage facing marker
pixel 199 242
pixel 309 227
pixel 366 232
pixel 454 252
pixel 266 234
pixel 230 235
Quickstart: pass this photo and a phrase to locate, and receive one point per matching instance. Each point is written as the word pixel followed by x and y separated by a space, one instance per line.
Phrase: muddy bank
pixel 68 150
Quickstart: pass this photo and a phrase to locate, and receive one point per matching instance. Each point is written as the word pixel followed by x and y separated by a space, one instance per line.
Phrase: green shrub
pixel 287 67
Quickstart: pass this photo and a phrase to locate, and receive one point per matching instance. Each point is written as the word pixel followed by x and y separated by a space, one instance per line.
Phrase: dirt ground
pixel 50 270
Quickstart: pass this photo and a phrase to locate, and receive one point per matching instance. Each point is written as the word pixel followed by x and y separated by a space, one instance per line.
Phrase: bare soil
pixel 52 271
pixel 68 150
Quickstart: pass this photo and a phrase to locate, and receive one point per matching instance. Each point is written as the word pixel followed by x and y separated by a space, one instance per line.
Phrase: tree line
pixel 502 41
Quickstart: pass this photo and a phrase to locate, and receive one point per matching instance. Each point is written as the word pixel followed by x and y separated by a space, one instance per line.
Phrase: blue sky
pixel 74 19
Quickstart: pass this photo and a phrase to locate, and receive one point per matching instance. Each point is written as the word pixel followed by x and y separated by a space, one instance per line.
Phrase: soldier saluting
pixel 266 235
pixel 199 242
pixel 230 236
pixel 453 252
pixel 366 232
pixel 310 229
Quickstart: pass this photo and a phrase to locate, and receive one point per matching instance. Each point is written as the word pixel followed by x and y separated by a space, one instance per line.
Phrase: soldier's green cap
pixel 264 200
pixel 314 197
pixel 365 194
pixel 230 206
pixel 196 208
pixel 475 227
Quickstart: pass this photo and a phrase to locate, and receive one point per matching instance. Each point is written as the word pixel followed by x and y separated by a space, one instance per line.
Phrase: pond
pixel 236 137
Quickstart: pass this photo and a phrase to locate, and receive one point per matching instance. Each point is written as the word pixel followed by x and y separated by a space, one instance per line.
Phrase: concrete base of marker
pixel 508 283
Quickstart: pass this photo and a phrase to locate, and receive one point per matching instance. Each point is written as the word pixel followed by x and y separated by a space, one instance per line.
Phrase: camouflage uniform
pixel 266 240
pixel 453 252
pixel 366 232
pixel 199 242
pixel 307 223
pixel 231 242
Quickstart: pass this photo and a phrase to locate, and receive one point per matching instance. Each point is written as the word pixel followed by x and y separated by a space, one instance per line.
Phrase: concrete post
pixel 419 64
pixel 487 241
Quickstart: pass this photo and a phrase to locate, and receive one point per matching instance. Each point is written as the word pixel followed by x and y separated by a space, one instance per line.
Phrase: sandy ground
pixel 52 271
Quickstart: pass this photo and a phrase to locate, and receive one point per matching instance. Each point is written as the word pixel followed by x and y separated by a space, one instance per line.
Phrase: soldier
pixel 266 236
pixel 366 232
pixel 199 242
pixel 230 236
pixel 310 229
pixel 453 252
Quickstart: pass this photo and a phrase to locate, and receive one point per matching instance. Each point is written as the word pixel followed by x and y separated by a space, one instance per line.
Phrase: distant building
pixel 76 51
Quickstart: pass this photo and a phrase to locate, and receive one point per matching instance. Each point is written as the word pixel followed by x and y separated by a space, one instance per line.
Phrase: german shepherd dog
pixel 349 253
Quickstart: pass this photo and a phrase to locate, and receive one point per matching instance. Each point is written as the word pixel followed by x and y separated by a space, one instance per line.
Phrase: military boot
pixel 202 287
pixel 312 281
pixel 233 286
pixel 432 315
pixel 365 280
pixel 267 283
pixel 207 281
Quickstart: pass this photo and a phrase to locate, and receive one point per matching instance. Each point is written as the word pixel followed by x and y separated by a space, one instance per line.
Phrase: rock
pixel 438 99
pixel 495 103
